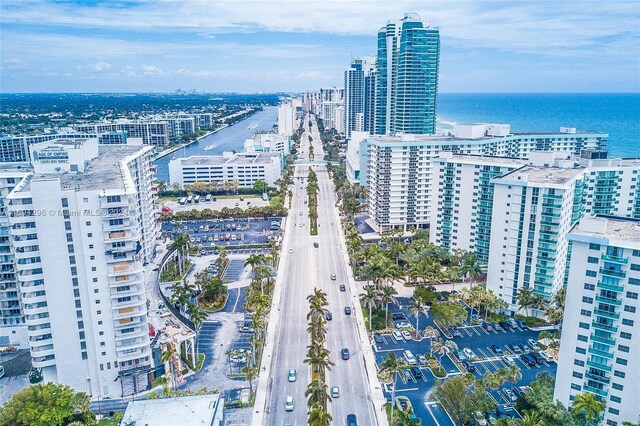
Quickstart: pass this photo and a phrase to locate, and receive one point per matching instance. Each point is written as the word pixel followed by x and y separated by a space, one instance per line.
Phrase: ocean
pixel 617 114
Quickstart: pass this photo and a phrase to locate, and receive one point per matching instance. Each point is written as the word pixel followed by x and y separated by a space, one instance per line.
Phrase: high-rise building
pixel 601 315
pixel 398 170
pixel 82 227
pixel 533 209
pixel 286 117
pixel 358 94
pixel 407 77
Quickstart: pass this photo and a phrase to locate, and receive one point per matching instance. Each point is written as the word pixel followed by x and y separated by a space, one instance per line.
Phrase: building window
pixel 621 361
pixel 628 308
pixel 581 350
pixel 592 259
pixel 619 374
pixel 632 295
pixel 586 299
pixel 627 322
pixel 578 363
pixel 625 335
pixel 592 273
pixel 617 386
pixel 593 246
pixel 584 325
pixel 583 338
pixel 84 355
pixel 614 411
pixel 575 386
pixel 616 399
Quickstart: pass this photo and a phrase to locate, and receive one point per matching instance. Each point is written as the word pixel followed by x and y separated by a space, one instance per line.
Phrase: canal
pixel 228 139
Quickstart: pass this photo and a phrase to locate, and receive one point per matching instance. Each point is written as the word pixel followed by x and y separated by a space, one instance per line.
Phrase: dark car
pixel 351 420
pixel 522 325
pixel 417 373
pixel 316 245
pixel 469 366
pixel 515 349
pixel 347 310
pixel 528 360
pixel 398 316
pixel 377 338
pixel 345 353
pixel 537 358
pixel 522 347
pixel 343 287
pixel 505 325
pixel 487 326
pixel 328 315
pixel 496 350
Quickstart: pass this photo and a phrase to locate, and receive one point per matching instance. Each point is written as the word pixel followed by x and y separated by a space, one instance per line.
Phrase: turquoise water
pixel 613 113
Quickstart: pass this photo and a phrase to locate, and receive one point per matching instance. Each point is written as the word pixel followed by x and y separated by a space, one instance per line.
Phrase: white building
pixel 154 133
pixel 601 315
pixel 338 119
pixel 268 142
pixel 244 167
pixel 286 117
pixel 82 227
pixel 398 170
pixel 353 155
pixel 196 410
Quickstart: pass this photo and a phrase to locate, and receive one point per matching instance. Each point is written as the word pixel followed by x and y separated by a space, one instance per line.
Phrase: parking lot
pixel 224 232
pixel 419 385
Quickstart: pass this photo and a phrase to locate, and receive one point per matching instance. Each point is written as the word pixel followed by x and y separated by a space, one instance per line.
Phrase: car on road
pixel 422 360
pixel 333 277
pixel 316 245
pixel 514 348
pixel 345 353
pixel 397 335
pixel 288 404
pixel 468 365
pixel 407 336
pixel 335 392
pixel 468 353
pixel 343 287
pixel 533 345
pixel 347 310
pixel 292 376
pixel 496 350
pixel 328 315
pixel 290 250
pixel 377 338
pixel 351 420
pixel 408 356
pixel 417 373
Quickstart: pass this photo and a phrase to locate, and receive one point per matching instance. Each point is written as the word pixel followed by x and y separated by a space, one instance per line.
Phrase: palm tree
pixel 387 294
pixel 392 366
pixel 470 267
pixel 416 307
pixel 431 333
pixel 317 394
pixel 255 260
pixel 467 297
pixel 513 374
pixel 250 373
pixel 181 243
pixel 588 408
pixel 531 418
pixel 525 299
pixel 167 357
pixel 318 359
pixel 369 300
pixel 318 416
pixel 440 348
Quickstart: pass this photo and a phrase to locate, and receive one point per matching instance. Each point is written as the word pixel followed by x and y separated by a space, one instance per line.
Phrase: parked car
pixel 377 338
pixel 521 324
pixel 537 358
pixel 509 360
pixel 422 360
pixel 345 353
pixel 397 335
pixel 461 356
pixel 408 356
pixel 347 310
pixel 511 397
pixel 292 376
pixel 408 375
pixel 407 336
pixel 468 353
pixel 529 361
pixel 288 404
pixel 496 350
pixel 398 316
pixel 468 365
pixel 517 391
pixel 505 325
pixel 417 373
pixel 547 357
pixel 533 345
pixel 487 326
pixel 343 287
pixel 514 348
pixel 497 326
pixel 455 332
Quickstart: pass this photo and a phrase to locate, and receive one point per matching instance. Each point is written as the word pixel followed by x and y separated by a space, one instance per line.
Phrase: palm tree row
pixel 373 297
pixel 479 297
pixel 312 194
pixel 318 360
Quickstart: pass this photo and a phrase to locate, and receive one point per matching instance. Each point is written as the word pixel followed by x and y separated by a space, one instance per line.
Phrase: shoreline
pixel 179 147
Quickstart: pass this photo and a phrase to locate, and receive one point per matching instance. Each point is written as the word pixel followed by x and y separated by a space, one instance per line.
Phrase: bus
pixel 190 199
pixel 182 201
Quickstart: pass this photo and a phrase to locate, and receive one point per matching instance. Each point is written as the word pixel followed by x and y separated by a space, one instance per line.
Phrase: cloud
pixel 100 66
pixel 151 70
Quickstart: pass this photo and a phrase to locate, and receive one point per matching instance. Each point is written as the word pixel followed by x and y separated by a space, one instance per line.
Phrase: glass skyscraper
pixel 407 77
pixel 359 95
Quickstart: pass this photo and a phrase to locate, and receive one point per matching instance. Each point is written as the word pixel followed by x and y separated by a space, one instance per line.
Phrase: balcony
pixel 611 287
pixel 603 340
pixel 552 196
pixel 596 391
pixel 604 327
pixel 597 377
pixel 612 273
pixel 598 352
pixel 599 366
pixel 608 300
pixel 606 314
pixel 615 259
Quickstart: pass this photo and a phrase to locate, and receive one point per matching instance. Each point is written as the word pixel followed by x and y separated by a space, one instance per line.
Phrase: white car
pixel 547 357
pixel 290 250
pixel 398 336
pixel 509 360
pixel 407 336
pixel 468 353
pixel 292 376
pixel 288 404
pixel 408 356
pixel 335 392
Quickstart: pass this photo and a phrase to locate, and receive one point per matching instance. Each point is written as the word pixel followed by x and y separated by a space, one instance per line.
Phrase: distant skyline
pixel 290 46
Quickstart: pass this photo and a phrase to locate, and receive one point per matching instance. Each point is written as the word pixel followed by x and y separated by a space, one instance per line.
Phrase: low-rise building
pixel 196 410
pixel 244 168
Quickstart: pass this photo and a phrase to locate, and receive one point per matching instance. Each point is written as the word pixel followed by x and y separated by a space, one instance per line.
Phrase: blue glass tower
pixel 407 77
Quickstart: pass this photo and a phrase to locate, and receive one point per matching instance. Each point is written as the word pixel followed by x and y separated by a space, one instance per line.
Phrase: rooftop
pixel 611 227
pixel 103 171
pixel 185 410
pixel 550 175
pixel 480 159
pixel 217 160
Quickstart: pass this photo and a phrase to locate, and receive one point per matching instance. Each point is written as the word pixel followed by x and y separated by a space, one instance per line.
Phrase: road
pixel 305 268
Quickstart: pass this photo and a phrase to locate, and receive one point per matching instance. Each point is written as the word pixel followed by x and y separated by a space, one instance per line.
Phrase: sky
pixel 295 45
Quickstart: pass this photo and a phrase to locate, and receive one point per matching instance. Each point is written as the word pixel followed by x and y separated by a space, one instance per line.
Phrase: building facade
pixel 82 227
pixel 599 348
pixel 407 77
pixel 286 118
pixel 244 168
pixel 154 133
pixel 358 96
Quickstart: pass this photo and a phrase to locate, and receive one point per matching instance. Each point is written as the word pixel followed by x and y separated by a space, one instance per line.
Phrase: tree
pixel 250 373
pixel 431 333
pixel 387 293
pixel 417 307
pixel 448 314
pixel 318 416
pixel 470 267
pixel 45 405
pixel 540 399
pixel 461 399
pixel 440 348
pixel 391 366
pixel 531 418
pixel 586 409
pixel 525 299
pixel 369 300
pixel 317 394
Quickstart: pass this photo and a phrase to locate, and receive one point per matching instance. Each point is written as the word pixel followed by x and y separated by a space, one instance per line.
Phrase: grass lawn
pixel 163 200
pixel 275 201
pixel 227 197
